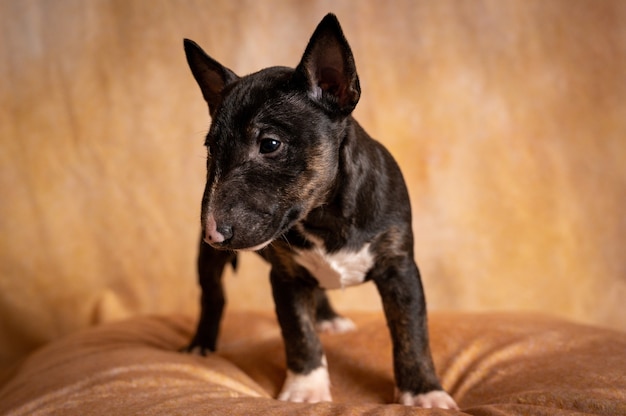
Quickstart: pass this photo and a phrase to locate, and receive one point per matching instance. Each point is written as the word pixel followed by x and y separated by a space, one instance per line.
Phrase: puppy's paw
pixel 307 388
pixel 336 325
pixel 435 398
pixel 196 349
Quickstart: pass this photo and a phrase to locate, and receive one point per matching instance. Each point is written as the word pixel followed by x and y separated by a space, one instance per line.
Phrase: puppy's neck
pixel 351 200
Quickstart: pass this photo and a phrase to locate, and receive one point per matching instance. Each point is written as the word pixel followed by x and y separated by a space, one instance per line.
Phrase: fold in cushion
pixel 493 364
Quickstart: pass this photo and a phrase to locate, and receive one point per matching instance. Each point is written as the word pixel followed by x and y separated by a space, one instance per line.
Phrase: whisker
pixel 284 237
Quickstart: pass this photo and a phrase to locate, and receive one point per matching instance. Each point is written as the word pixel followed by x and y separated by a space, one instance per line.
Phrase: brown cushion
pixel 493 364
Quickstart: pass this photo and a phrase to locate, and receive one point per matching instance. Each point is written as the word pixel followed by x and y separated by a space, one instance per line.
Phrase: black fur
pixel 326 181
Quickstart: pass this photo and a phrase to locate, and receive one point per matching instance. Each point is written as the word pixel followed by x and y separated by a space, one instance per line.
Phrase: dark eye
pixel 269 145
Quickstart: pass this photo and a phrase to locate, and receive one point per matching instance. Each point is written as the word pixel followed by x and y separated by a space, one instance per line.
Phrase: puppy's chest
pixel 336 270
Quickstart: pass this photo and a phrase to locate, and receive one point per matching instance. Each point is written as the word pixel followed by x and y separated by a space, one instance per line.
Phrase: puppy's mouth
pixel 258 247
pixel 233 238
pixel 226 245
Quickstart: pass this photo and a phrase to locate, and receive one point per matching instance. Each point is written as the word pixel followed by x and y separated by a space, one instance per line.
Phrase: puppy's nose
pixel 216 233
pixel 226 231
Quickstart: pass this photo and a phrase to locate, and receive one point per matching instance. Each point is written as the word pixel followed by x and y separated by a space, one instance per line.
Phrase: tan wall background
pixel 507 117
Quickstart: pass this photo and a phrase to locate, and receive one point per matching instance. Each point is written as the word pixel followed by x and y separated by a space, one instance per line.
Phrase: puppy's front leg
pixel 401 291
pixel 211 263
pixel 307 371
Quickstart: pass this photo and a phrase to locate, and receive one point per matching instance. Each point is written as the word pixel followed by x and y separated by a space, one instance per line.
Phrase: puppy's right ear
pixel 210 75
pixel 328 66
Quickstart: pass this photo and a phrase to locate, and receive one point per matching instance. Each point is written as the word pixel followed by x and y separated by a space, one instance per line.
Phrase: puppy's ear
pixel 328 66
pixel 210 75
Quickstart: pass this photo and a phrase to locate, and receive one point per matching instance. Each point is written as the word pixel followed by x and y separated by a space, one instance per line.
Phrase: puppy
pixel 292 176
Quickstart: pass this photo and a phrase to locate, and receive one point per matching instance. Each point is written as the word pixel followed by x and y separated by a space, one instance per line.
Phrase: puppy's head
pixel 273 145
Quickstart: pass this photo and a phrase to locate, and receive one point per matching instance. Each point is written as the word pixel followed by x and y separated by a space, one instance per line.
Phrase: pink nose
pixel 211 235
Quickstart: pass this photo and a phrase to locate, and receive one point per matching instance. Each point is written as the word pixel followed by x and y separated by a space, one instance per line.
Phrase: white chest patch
pixel 336 270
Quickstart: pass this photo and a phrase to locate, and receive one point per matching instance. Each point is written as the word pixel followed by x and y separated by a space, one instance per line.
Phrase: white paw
pixel 307 388
pixel 435 398
pixel 337 325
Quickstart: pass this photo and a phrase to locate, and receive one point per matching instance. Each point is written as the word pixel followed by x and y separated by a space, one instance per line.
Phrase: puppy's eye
pixel 269 145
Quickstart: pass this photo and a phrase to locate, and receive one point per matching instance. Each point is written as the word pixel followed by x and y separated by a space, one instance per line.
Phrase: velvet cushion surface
pixel 493 364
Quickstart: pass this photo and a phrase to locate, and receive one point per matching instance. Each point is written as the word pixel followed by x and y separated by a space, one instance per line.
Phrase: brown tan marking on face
pixel 321 173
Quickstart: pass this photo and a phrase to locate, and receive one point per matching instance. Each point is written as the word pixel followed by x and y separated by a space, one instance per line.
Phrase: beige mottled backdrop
pixel 507 117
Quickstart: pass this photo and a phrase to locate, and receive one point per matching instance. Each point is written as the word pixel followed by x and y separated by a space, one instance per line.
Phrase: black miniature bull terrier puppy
pixel 292 176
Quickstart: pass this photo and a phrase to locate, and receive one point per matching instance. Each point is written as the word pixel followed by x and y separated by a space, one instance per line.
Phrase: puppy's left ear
pixel 328 66
pixel 210 75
